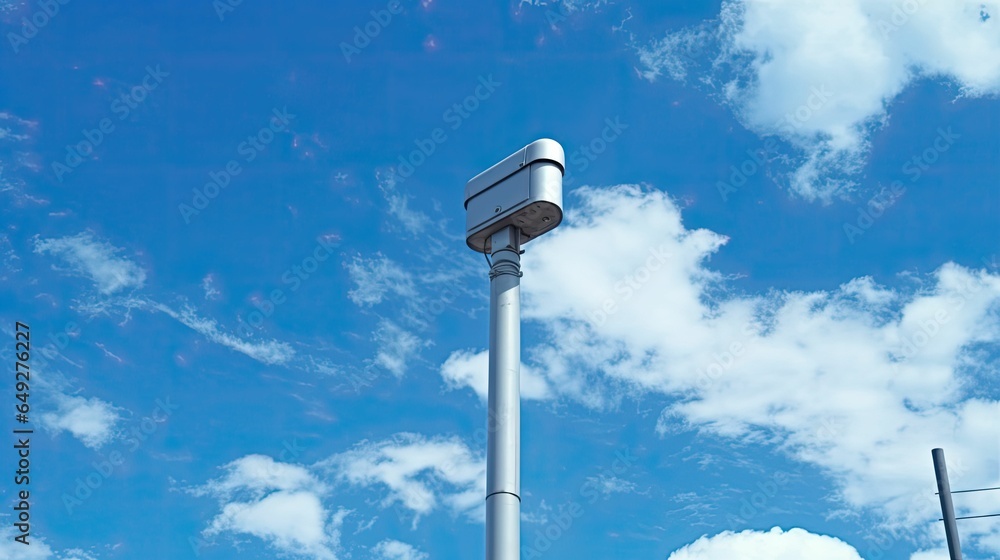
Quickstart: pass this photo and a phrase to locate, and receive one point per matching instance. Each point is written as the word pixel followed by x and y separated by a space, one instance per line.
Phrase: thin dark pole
pixel 976 490
pixel 976 516
pixel 947 508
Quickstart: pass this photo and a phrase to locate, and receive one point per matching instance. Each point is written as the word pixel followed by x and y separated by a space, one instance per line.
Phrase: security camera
pixel 524 190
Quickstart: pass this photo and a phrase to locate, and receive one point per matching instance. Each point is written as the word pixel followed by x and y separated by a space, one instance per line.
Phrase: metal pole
pixel 947 509
pixel 503 449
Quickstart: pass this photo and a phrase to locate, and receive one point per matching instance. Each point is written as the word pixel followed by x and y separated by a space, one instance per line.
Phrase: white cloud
pixel 396 347
pixel 38 549
pixel 77 554
pixel 270 352
pixel 821 75
pixel 294 522
pixel 8 258
pixel 7 134
pixel 775 544
pixel 416 292
pixel 936 554
pixel 279 503
pixel 568 6
pixel 472 369
pixel 9 548
pixel 96 260
pixel 608 485
pixel 396 550
pixel 92 420
pixel 398 203
pixel 421 473
pixel 379 280
pixel 258 474
pixel 16 158
pixel 861 381
pixel 288 506
pixel 375 277
pixel 208 285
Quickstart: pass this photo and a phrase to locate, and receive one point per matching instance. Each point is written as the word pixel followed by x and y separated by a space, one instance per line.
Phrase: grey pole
pixel 947 509
pixel 509 204
pixel 503 449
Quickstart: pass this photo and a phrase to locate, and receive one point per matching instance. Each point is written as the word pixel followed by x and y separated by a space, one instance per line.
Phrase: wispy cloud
pixel 396 550
pixel 409 296
pixel 208 286
pixel 76 554
pixel 9 261
pixel 413 221
pixel 396 347
pixel 270 352
pixel 376 277
pixel 608 485
pixel 16 158
pixel 96 260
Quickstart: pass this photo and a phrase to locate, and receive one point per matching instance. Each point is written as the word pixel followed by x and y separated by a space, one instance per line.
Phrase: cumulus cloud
pixel 279 503
pixel 775 544
pixel 861 381
pixel 289 505
pixel 259 474
pixel 421 474
pixel 96 260
pixel 822 75
pixel 472 369
pixel 92 420
pixel 291 521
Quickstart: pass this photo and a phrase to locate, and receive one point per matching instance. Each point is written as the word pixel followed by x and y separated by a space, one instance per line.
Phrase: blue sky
pixel 257 333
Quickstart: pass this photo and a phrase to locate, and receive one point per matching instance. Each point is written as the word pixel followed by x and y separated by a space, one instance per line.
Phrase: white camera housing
pixel 524 190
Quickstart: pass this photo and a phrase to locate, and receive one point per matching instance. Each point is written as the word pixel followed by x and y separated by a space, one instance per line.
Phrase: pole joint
pixel 490 495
